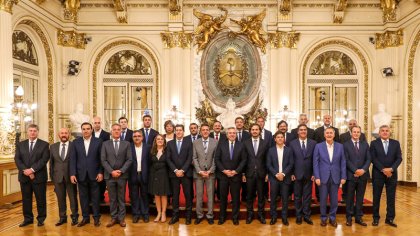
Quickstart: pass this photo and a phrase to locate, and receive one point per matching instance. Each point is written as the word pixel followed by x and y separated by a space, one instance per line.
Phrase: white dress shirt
pixel 97 134
pixel 330 150
pixel 303 140
pixel 87 143
pixel 61 148
pixel 33 145
pixel 258 143
pixel 280 151
pixel 139 151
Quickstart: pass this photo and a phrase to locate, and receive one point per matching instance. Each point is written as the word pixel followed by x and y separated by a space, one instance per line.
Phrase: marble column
pixel 7 134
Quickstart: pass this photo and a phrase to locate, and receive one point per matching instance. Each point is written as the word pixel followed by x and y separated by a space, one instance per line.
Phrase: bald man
pixel 319 132
pixel 98 132
pixel 59 172
pixel 344 137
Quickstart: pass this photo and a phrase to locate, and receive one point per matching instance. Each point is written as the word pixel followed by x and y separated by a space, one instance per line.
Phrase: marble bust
pixel 78 118
pixel 228 116
pixel 381 118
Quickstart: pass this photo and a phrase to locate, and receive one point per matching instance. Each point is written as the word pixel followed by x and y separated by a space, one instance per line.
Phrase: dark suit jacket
pixel 324 168
pixel 289 138
pixel 357 160
pixel 145 163
pixel 303 162
pixel 344 137
pixel 105 136
pixel 268 138
pixel 381 160
pixel 256 163
pixel 245 136
pixel 128 135
pixel 152 135
pixel 37 160
pixel 223 161
pixel 86 167
pixel 222 136
pixel 310 133
pixel 181 161
pixel 112 161
pixel 319 134
pixel 60 169
pixel 190 137
pixel 272 163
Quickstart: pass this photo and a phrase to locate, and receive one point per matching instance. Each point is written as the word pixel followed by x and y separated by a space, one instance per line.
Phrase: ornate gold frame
pixel 48 54
pixel 95 73
pixel 365 74
pixel 411 59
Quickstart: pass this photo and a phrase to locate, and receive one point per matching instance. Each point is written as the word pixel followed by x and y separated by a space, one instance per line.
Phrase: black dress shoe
pixel 285 221
pixel 40 223
pixel 273 221
pixel 323 223
pixel 391 223
pixel 262 220
pixel 97 223
pixel 235 221
pixel 188 221
pixel 146 219
pixel 221 221
pixel 61 222
pixel 198 221
pixel 173 220
pixel 308 221
pixel 136 219
pixel 375 222
pixel 210 221
pixel 333 223
pixel 299 220
pixel 83 222
pixel 74 221
pixel 25 223
pixel 248 220
pixel 360 222
pixel 348 222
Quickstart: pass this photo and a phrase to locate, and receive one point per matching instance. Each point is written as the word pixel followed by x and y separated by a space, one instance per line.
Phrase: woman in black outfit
pixel 159 184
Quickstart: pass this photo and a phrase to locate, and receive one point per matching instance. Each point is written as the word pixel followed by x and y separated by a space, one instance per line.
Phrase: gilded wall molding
pixel 176 39
pixel 285 6
pixel 282 39
pixel 174 7
pixel 7 5
pixel 389 10
pixel 365 74
pixel 7 135
pixel 411 60
pixel 71 10
pixel 48 54
pixel 339 8
pixel 95 72
pixel 120 7
pixel 71 39
pixel 389 39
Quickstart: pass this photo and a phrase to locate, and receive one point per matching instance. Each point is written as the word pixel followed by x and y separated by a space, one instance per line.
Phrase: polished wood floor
pixel 408 215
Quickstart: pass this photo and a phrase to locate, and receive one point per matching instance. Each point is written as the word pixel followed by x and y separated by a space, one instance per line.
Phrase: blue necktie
pixel 147 134
pixel 255 147
pixel 303 148
pixel 386 147
pixel 231 150
pixel 179 147
pixel 123 135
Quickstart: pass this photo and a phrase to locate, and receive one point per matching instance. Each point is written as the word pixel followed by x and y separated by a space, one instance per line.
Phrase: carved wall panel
pixel 333 63
pixel 23 48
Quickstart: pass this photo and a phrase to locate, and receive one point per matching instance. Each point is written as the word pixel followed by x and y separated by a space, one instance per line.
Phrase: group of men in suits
pixel 237 159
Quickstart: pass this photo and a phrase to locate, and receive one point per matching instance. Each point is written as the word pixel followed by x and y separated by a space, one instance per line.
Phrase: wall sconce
pixel 322 95
pixel 22 110
pixel 175 115
pixel 73 67
pixel 387 72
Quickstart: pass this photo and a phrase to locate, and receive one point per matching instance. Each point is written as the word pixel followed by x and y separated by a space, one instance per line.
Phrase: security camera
pixel 372 40
pixel 73 67
pixel 387 71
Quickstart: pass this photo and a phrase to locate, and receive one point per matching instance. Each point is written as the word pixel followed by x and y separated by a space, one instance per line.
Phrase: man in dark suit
pixel 386 157
pixel 329 171
pixel 217 132
pixel 357 162
pixel 230 161
pixel 303 120
pixel 282 126
pixel 241 134
pixel 116 159
pixel 344 137
pixel 179 153
pixel 319 132
pixel 265 134
pixel 255 172
pixel 126 133
pixel 31 159
pixel 194 135
pixel 303 149
pixel 280 168
pixel 60 176
pixel 86 170
pixel 139 177
pixel 149 134
pixel 98 132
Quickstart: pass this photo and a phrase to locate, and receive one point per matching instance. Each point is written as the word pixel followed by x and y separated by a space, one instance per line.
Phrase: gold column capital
pixel 176 39
pixel 7 5
pixel 283 39
pixel 389 10
pixel 71 39
pixel 71 10
pixel 389 39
